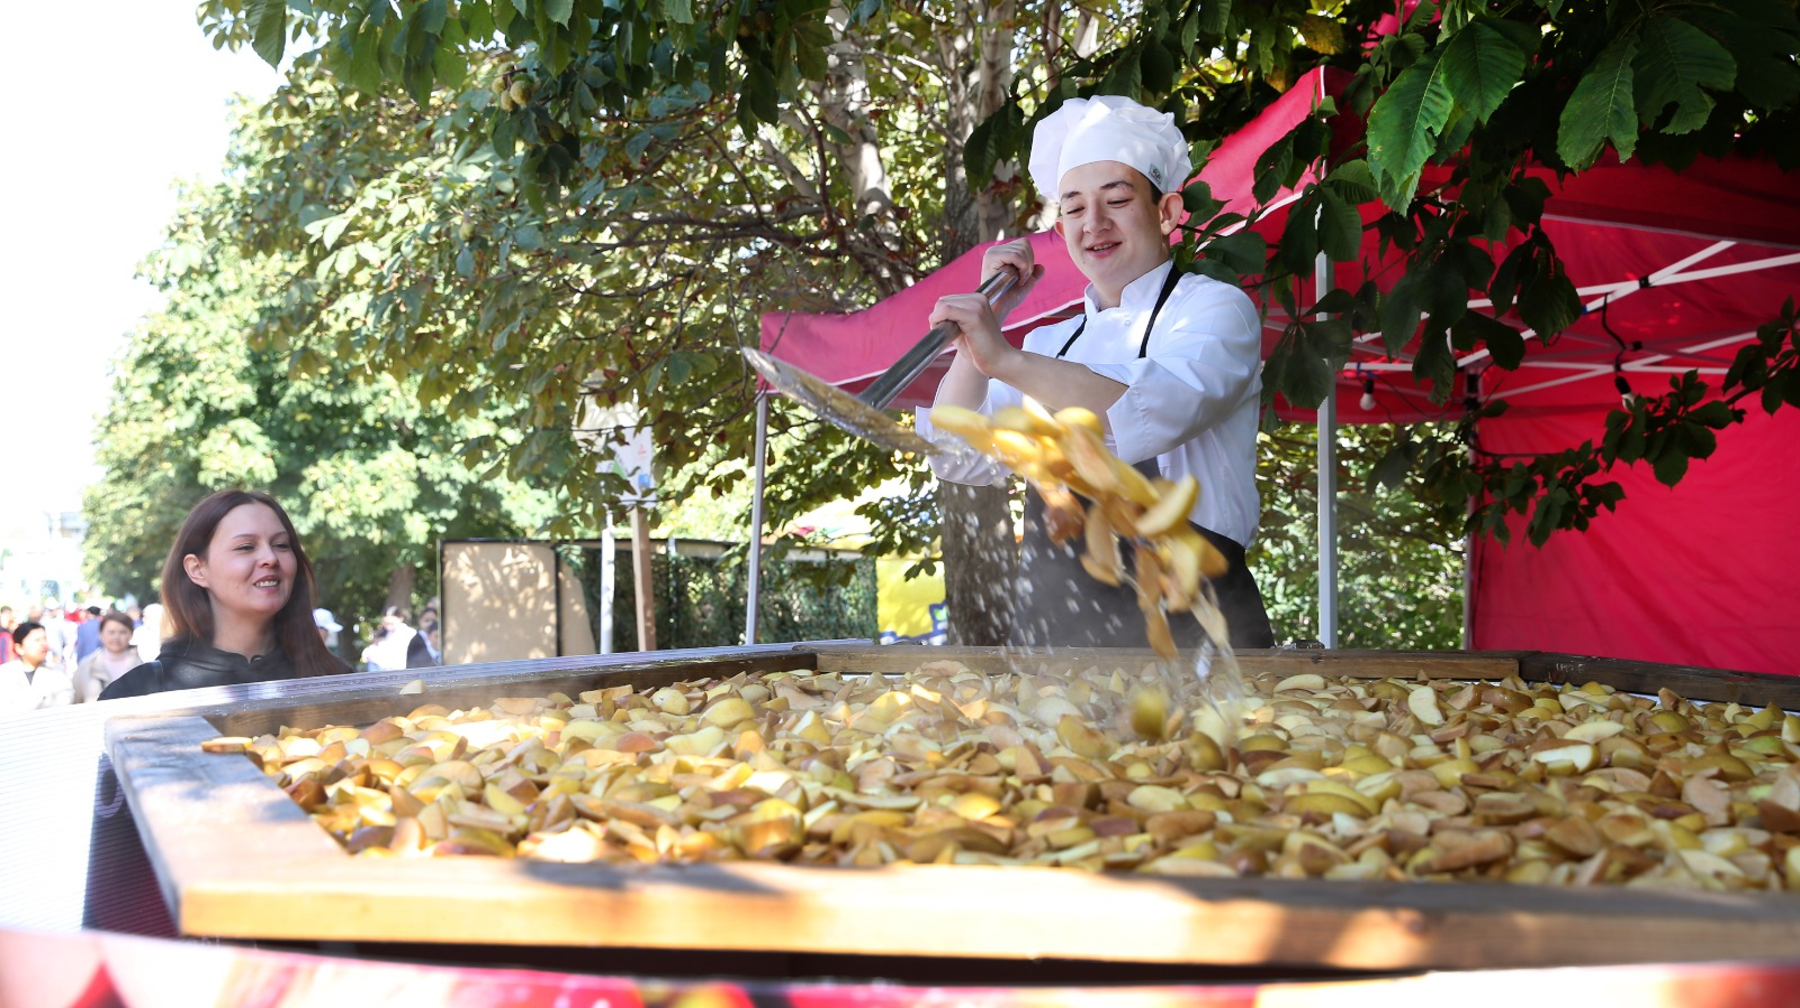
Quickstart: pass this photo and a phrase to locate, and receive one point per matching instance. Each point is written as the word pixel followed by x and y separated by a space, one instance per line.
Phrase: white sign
pixel 634 459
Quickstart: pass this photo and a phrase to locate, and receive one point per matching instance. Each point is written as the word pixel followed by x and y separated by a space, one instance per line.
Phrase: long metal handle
pixel 913 363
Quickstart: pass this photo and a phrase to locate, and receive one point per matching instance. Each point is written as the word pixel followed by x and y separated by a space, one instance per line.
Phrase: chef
pixel 1169 361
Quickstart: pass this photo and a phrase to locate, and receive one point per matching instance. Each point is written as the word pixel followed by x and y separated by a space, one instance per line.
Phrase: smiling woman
pixel 238 597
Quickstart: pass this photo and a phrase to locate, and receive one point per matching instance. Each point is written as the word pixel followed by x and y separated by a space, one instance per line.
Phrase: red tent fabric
pixel 1699 574
pixel 1675 271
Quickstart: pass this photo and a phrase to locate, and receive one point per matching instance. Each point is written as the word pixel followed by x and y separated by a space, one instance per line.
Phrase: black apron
pixel 1060 603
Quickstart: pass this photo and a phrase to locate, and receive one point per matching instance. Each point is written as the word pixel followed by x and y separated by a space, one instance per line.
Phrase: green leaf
pixel 982 151
pixel 430 16
pixel 1435 363
pixel 559 11
pixel 1676 64
pixel 1244 251
pixel 1547 516
pixel 1775 393
pixel 759 93
pixel 364 71
pixel 1548 301
pixel 1716 414
pixel 1750 368
pixel 1503 342
pixel 478 21
pixel 1299 246
pixel 1400 311
pixel 268 28
pixel 1157 67
pixel 679 11
pixel 1602 108
pixel 1295 372
pixel 1403 126
pixel 1482 66
pixel 1272 168
pixel 1353 181
pixel 1215 16
pixel 1340 226
pixel 1197 199
pixel 1670 466
pixel 1336 301
pixel 1391 469
pixel 1761 36
pixel 1527 197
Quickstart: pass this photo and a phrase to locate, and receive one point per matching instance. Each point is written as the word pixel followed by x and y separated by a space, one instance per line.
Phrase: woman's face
pixel 249 566
pixel 114 637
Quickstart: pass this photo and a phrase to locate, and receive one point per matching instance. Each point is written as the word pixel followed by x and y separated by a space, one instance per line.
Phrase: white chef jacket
pixel 1192 402
pixel 47 687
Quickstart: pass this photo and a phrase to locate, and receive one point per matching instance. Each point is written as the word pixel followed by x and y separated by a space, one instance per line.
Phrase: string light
pixel 1367 402
pixel 1626 395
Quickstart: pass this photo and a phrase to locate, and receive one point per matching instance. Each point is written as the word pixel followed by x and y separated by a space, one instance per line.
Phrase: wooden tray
pixel 237 859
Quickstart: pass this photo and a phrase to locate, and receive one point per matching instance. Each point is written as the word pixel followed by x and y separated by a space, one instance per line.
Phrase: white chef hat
pixel 1108 128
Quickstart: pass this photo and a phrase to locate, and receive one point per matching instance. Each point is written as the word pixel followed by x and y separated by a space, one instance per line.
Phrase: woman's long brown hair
pixel 188 609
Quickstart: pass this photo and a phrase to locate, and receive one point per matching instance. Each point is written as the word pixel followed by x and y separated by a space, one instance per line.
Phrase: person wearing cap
pixel 1170 362
pixel 328 628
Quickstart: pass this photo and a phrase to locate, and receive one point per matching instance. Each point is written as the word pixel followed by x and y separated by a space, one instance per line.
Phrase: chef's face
pixel 1115 227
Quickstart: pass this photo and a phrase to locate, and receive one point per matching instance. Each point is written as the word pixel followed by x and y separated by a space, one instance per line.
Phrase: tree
pixel 427 237
pixel 1400 561
pixel 579 133
pixel 1480 85
pixel 370 479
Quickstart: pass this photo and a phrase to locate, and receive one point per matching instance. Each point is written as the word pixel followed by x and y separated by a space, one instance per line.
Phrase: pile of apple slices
pixel 1331 778
pixel 1062 455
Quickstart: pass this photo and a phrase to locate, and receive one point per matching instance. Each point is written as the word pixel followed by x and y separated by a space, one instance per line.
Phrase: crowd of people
pixel 238 606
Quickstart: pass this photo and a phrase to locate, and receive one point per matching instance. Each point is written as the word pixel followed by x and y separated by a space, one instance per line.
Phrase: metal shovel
pixel 864 415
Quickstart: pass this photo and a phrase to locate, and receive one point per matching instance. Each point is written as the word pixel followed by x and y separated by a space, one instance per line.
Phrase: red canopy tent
pixel 1676 271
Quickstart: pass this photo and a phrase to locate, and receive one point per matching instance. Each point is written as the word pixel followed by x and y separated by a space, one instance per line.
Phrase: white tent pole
pixel 1323 281
pixel 754 582
pixel 1622 290
pixel 609 565
pixel 1641 364
pixel 1468 580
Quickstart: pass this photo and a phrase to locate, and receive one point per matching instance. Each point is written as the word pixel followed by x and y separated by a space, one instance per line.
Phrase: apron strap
pixel 1162 298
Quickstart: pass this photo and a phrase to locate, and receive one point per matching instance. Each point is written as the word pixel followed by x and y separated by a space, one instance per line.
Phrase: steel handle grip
pixel 913 363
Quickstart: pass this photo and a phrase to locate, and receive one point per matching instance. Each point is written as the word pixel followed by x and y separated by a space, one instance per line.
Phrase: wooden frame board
pixel 237 859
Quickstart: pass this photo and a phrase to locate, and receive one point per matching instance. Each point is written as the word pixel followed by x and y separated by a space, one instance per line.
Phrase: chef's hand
pixel 1014 257
pixel 980 343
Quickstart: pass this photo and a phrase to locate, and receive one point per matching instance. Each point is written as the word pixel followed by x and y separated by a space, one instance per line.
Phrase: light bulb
pixel 1367 402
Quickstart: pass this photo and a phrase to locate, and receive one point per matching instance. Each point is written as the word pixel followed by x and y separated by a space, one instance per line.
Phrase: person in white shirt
pixel 29 682
pixel 147 638
pixel 1170 362
pixel 388 651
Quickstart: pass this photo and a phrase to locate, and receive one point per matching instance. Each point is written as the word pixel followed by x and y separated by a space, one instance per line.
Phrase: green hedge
pixel 701 592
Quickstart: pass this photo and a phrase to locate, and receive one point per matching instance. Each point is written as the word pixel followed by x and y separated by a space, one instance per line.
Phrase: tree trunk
pixel 981 556
pixel 400 588
pixel 844 104
pixel 981 562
